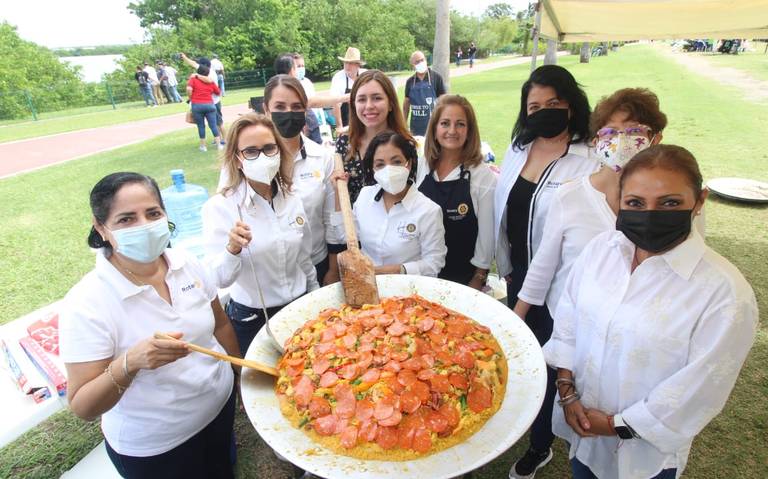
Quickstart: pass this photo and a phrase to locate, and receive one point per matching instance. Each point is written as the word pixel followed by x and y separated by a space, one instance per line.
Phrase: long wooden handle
pixel 240 362
pixel 346 206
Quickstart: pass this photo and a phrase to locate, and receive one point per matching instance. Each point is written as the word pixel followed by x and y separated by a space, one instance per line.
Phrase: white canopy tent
pixel 603 20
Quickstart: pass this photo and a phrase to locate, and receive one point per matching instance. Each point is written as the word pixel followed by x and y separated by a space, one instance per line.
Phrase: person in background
pixel 273 267
pixel 422 90
pixel 145 87
pixel 154 82
pixel 398 227
pixel 218 67
pixel 212 77
pixel 548 149
pixel 471 52
pixel 201 98
pixel 285 102
pixel 459 54
pixel 651 330
pixel 284 65
pixel 117 370
pixel 173 82
pixel 342 83
pixel 455 177
pixel 164 87
pixel 374 109
pixel 316 102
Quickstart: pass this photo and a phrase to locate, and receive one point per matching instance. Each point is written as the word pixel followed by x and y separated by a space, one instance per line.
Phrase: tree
pixel 443 41
pixel 584 53
pixel 499 10
pixel 550 57
pixel 30 69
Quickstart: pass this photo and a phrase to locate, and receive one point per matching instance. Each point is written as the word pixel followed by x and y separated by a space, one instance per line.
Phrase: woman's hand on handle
pixel 153 353
pixel 239 237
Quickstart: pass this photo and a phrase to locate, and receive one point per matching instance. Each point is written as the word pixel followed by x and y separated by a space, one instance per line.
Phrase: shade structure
pixel 603 20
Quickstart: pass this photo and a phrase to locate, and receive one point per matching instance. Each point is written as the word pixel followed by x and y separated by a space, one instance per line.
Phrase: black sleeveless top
pixel 518 206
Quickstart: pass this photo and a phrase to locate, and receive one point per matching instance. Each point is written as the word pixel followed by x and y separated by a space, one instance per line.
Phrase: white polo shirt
pixel 482 184
pixel 281 246
pixel 411 233
pixel 105 314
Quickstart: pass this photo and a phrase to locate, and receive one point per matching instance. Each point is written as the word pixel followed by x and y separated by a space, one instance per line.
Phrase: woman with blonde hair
pixel 374 110
pixel 257 196
pixel 455 177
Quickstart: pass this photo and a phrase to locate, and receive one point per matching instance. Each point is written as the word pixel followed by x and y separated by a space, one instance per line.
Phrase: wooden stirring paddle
pixel 357 275
pixel 240 362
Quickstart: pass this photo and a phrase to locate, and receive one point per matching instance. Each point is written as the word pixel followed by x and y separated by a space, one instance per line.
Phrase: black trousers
pixel 205 455
pixel 540 323
pixel 246 330
pixel 322 268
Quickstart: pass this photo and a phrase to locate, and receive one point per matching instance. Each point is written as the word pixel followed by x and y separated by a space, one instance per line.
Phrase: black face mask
pixel 654 230
pixel 547 122
pixel 289 123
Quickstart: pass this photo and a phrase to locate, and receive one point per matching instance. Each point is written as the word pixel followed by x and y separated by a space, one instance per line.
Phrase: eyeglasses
pixel 252 153
pixel 638 130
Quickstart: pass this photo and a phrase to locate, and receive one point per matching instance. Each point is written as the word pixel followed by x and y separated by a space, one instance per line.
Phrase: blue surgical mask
pixel 300 72
pixel 144 243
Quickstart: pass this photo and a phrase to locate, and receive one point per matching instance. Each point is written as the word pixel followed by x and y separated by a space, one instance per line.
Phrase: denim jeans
pixel 175 93
pixel 581 471
pixel 146 93
pixel 202 112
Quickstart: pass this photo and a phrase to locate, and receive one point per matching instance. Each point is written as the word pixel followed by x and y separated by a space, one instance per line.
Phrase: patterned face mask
pixel 616 148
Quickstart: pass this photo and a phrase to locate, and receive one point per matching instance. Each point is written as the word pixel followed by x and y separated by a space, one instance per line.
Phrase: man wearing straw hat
pixel 341 84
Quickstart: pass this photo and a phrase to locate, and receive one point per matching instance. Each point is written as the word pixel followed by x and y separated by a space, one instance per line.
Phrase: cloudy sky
pixel 57 23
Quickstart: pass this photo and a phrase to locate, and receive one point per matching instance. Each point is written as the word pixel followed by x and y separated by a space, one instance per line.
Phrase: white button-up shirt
pixel 411 233
pixel 574 164
pixel 105 314
pixel 578 212
pixel 662 346
pixel 280 248
pixel 482 184
pixel 312 183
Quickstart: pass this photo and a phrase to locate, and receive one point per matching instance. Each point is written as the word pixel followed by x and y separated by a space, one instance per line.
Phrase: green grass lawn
pixel 44 220
pixel 754 63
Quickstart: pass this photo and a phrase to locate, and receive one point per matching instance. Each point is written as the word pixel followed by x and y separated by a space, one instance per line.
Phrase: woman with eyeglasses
pixel 258 237
pixel 651 329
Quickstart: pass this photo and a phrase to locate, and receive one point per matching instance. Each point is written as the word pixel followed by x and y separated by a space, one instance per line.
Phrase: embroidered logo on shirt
pixel 407 231
pixel 300 221
pixel 310 175
pixel 463 209
pixel 191 286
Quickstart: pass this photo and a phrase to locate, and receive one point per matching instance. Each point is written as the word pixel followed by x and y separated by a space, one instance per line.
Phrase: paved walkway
pixel 35 153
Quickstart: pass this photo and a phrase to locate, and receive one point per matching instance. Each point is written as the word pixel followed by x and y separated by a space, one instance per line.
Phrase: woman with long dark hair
pixel 548 148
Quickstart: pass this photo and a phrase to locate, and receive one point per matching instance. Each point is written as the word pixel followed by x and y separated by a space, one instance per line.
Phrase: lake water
pixel 93 66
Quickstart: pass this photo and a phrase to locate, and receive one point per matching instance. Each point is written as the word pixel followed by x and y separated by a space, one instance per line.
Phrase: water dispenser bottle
pixel 184 203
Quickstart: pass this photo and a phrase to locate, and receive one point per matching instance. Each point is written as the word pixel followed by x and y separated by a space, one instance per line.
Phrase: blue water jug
pixel 184 203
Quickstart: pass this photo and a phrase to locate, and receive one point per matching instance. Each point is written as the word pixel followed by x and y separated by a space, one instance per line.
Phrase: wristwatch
pixel 623 430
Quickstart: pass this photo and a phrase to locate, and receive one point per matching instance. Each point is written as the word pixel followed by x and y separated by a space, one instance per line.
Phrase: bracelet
pixel 125 366
pixel 561 381
pixel 569 399
pixel 120 389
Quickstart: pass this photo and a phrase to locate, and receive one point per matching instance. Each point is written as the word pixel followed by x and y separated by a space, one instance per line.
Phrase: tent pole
pixel 536 28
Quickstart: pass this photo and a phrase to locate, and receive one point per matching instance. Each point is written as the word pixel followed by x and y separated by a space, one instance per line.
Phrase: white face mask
pixel 144 243
pixel 263 169
pixel 392 179
pixel 421 67
pixel 617 151
pixel 300 73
